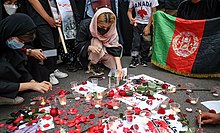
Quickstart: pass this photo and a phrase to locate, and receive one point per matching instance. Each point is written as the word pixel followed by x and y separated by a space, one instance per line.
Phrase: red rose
pixel 171 117
pixel 137 110
pixel 188 100
pixel 161 111
pixel 110 106
pixel 17 120
pixel 84 83
pixel 183 115
pixel 171 101
pixel 122 93
pixel 91 116
pixel 81 89
pixel 212 111
pixel 111 93
pixel 46 125
pixel 165 86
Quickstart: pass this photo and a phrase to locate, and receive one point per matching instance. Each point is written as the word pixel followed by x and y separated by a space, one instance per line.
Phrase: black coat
pixel 205 9
pixel 12 67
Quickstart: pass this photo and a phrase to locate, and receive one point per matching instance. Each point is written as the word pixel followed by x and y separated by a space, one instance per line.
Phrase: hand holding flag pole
pixel 57 19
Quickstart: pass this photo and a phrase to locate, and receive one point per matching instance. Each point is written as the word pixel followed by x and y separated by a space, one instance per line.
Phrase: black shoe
pixel 144 63
pixel 134 63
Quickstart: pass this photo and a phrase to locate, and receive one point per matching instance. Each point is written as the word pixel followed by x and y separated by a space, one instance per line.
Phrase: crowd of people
pixel 27 28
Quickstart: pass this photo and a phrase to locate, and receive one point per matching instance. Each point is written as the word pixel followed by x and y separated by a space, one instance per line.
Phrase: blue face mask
pixel 14 44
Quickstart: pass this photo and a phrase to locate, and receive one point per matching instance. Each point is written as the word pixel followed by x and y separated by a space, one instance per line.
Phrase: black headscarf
pixel 15 25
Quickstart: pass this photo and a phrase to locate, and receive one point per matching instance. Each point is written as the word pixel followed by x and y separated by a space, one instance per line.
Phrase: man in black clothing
pixel 199 9
pixel 40 12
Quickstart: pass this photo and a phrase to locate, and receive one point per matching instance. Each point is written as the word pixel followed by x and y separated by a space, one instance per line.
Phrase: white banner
pixel 68 20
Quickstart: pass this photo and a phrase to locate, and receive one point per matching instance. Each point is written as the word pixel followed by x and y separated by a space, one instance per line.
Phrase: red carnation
pixel 161 111
pixel 110 106
pixel 212 111
pixel 92 116
pixel 122 93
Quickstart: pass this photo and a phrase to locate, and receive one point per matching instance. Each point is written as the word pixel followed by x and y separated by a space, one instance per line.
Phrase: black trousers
pixel 140 46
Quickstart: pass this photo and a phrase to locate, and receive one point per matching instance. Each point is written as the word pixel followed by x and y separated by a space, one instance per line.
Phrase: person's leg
pixel 135 47
pixel 48 39
pixel 109 61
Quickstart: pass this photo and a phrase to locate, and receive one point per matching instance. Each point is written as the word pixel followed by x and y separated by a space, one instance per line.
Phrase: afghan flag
pixel 187 47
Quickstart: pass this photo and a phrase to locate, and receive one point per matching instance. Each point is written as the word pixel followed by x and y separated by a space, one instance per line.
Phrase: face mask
pixel 11 9
pixel 102 31
pixel 14 44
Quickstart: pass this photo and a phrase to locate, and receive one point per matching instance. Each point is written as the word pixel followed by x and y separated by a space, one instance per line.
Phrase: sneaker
pixel 10 101
pixel 144 63
pixel 134 63
pixel 60 74
pixel 53 79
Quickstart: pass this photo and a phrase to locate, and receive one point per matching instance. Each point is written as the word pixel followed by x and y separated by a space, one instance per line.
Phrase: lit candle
pixel 99 95
pixel 97 106
pixel 129 107
pixel 172 90
pixel 115 107
pixel 42 102
pixel 88 97
pixel 62 100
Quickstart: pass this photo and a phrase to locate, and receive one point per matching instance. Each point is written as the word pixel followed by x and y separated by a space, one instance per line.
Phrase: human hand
pixel 209 118
pixel 95 49
pixel 121 73
pixel 42 87
pixel 146 30
pixel 37 53
pixel 51 22
pixel 133 21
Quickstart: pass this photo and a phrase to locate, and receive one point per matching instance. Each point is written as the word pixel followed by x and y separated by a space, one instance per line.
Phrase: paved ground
pixel 151 71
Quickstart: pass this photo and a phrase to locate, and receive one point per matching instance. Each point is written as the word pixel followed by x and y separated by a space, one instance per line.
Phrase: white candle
pixel 99 97
pixel 163 105
pixel 97 106
pixel 193 102
pixel 115 107
pixel 63 103
pixel 129 108
pixel 77 98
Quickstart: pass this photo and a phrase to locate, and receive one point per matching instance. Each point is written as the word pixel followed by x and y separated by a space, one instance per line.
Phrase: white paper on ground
pixel 90 88
pixel 50 53
pixel 173 126
pixel 212 105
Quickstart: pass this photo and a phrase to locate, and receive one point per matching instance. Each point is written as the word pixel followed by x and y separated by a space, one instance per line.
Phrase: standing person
pixel 199 9
pixel 144 10
pixel 14 77
pixel 97 41
pixel 40 12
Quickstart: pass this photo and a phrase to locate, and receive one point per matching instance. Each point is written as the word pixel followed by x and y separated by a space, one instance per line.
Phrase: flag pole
pixel 62 40
pixel 55 13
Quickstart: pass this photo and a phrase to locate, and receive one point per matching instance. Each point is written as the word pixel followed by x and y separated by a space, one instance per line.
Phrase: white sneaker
pixel 60 74
pixel 53 79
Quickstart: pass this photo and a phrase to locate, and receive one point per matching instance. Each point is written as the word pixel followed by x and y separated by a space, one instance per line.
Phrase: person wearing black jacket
pixel 199 9
pixel 14 77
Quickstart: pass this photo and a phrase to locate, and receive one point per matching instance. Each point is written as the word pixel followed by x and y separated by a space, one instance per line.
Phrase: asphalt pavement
pixel 152 71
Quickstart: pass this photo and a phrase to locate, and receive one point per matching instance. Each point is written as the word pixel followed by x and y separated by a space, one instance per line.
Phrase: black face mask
pixel 102 31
